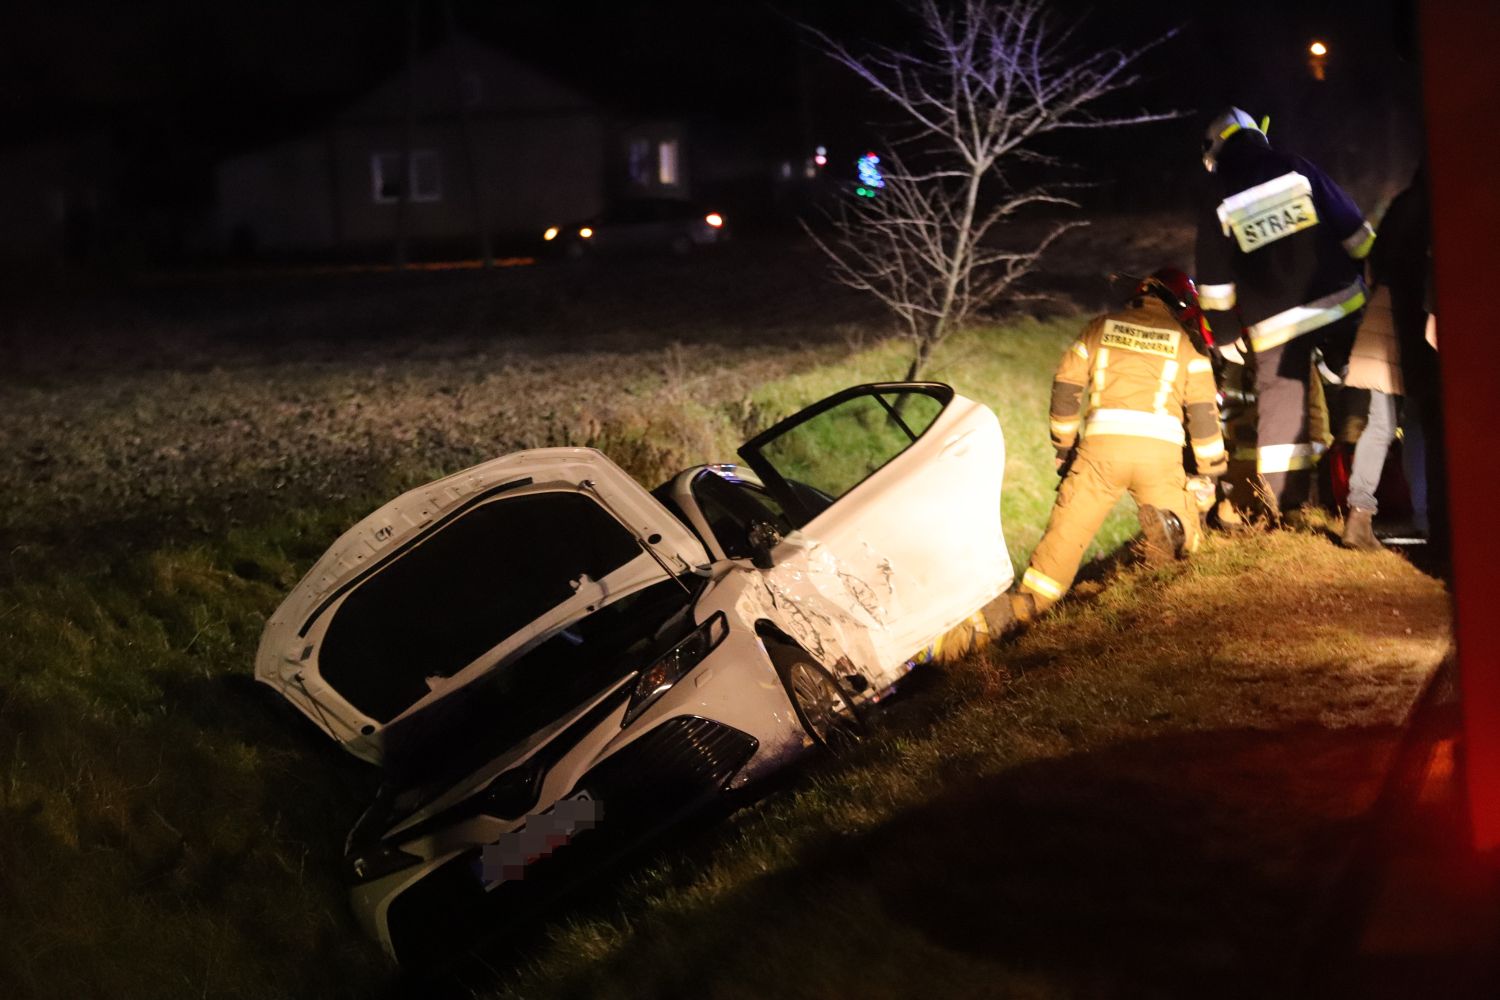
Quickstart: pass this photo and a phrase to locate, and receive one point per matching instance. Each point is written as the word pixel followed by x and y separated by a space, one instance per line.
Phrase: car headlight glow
pixel 673 665
pixel 714 219
pixel 550 234
pixel 585 232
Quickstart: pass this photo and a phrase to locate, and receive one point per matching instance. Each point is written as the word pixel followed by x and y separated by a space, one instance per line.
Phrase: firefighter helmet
pixel 1224 125
pixel 1176 289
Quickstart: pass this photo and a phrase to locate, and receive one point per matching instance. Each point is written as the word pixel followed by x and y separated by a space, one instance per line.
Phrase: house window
pixel 638 161
pixel 666 163
pixel 388 179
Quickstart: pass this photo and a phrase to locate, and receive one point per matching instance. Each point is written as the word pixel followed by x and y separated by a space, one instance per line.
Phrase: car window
pixel 731 506
pixel 835 450
pixel 461 590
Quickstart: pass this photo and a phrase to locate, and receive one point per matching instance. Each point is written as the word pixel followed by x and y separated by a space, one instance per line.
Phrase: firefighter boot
pixel 1359 530
pixel 1162 535
pixel 1022 608
pixel 1000 616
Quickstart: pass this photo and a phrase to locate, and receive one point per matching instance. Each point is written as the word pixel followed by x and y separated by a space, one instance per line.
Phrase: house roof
pixel 462 73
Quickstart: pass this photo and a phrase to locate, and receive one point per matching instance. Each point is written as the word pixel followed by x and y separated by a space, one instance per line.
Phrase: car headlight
pixel 378 861
pixel 673 665
pixel 550 234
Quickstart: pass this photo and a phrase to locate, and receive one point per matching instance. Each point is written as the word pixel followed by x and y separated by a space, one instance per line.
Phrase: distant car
pixel 647 224
pixel 538 649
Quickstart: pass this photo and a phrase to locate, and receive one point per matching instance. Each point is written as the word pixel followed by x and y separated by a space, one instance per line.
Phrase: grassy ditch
pixel 1146 795
pixel 163 831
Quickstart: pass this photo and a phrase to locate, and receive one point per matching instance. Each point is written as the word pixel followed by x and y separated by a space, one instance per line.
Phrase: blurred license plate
pixel 507 859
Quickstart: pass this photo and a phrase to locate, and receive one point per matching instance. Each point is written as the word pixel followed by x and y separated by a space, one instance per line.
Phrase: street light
pixel 1317 56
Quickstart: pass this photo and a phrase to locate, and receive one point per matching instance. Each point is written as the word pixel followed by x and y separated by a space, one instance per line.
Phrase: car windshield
pixel 462 590
pixel 456 735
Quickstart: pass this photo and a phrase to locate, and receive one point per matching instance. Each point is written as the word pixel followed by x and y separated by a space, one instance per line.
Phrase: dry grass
pixel 161 825
pixel 1141 796
pixel 163 833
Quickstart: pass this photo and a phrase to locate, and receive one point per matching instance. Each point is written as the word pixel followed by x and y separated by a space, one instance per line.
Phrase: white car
pixel 538 650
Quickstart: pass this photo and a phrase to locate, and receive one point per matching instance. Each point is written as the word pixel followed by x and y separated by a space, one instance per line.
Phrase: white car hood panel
pixel 287 657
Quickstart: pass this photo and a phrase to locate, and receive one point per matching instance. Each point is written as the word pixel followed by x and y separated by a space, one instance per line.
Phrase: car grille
pixel 643 788
pixel 674 764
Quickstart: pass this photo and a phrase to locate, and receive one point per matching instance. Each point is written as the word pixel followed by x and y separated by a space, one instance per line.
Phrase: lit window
pixel 387 179
pixel 666 163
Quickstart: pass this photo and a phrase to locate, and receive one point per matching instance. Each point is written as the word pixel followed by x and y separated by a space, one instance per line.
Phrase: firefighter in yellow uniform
pixel 1143 374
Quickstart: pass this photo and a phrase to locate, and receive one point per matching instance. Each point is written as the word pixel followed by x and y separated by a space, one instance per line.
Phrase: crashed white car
pixel 542 655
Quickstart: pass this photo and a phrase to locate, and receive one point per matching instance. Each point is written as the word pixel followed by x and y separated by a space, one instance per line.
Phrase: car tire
pixel 823 705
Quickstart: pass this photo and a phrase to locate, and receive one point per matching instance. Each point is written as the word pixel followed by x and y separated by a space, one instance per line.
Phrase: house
pixel 467 140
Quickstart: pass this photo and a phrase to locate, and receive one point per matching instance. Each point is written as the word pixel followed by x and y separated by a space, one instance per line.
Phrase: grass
pixel 1141 796
pixel 164 831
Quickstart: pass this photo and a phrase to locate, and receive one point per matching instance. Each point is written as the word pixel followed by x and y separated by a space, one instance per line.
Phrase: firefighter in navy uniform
pixel 1143 372
pixel 1279 264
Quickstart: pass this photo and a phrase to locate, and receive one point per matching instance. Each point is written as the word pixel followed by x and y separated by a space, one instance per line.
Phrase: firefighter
pixel 1279 266
pixel 1142 371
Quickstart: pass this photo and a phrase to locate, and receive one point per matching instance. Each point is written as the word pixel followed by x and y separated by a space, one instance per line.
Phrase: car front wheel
pixel 822 704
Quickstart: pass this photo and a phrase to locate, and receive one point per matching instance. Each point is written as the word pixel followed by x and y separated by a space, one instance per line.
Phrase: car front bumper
pixel 652 783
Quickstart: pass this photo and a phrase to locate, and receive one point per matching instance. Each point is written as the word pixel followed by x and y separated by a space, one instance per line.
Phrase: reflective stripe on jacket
pixel 1279 246
pixel 1142 379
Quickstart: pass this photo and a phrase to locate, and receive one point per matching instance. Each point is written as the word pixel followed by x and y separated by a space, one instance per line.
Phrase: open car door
pixel 895 490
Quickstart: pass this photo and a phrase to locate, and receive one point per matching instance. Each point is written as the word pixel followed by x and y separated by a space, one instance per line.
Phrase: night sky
pixel 194 81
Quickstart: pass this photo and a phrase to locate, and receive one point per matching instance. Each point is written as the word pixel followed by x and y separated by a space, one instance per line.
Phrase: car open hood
pixel 444 583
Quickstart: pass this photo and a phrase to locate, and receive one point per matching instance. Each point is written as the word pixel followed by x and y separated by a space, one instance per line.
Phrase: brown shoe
pixel 1227 518
pixel 1359 530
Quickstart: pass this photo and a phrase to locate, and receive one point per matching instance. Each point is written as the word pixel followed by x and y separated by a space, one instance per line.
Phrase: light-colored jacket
pixel 1143 379
pixel 1375 362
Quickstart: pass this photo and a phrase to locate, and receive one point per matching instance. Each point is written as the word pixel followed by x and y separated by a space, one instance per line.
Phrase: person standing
pixel 1402 262
pixel 1142 375
pixel 1375 369
pixel 1278 255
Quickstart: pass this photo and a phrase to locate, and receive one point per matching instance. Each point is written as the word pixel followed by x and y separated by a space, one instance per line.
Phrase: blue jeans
pixel 1371 449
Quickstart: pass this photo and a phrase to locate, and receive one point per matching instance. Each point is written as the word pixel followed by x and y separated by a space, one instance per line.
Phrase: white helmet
pixel 1224 125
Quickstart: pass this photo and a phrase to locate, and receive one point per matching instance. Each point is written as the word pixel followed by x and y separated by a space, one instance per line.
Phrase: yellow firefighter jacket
pixel 1142 378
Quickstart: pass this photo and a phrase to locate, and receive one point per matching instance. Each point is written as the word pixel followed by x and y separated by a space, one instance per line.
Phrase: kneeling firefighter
pixel 1145 372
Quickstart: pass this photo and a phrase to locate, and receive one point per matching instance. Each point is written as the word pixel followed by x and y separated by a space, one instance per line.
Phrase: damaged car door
pixel 894 489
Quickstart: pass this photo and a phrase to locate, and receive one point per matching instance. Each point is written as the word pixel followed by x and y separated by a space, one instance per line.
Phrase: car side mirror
pixel 763 537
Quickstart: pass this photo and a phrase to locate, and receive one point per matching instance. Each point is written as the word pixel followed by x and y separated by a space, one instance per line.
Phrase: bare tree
pixel 979 82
